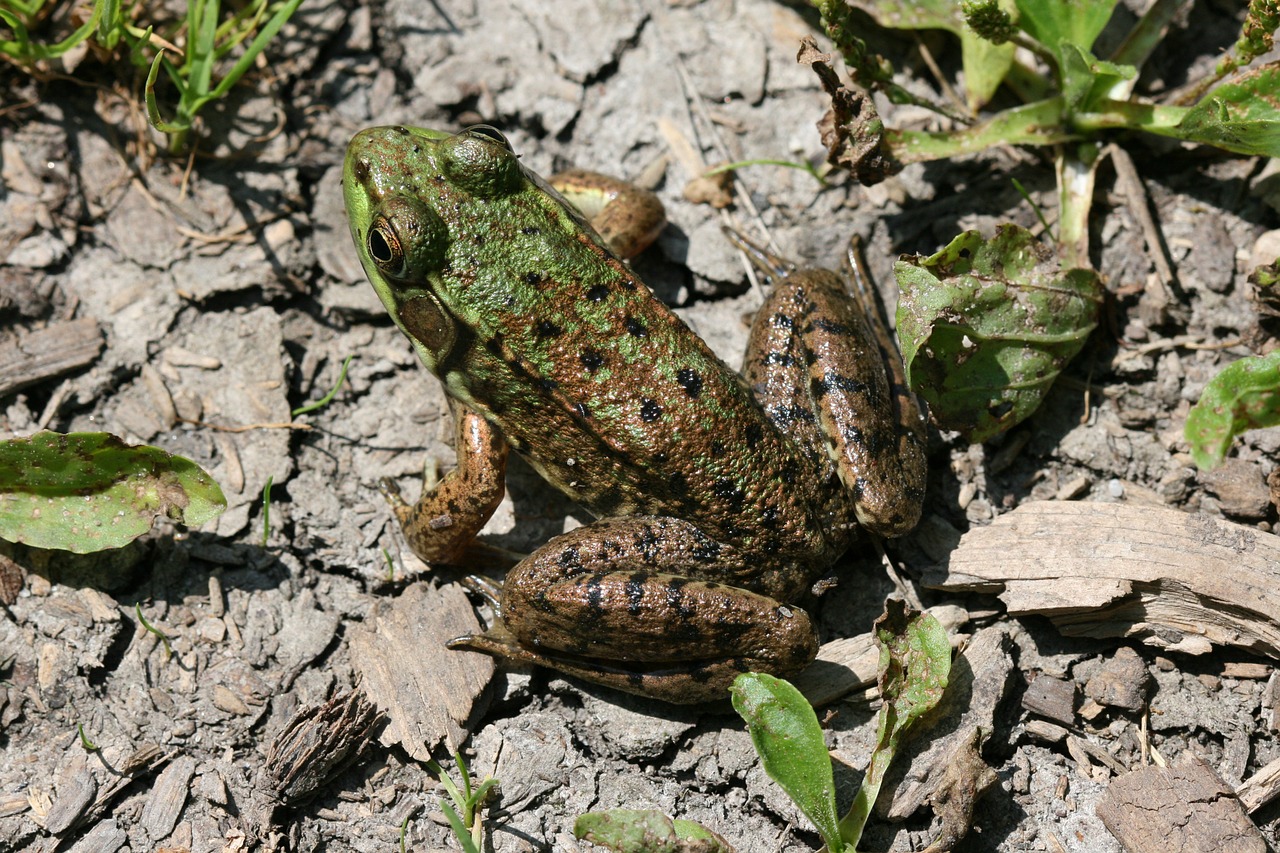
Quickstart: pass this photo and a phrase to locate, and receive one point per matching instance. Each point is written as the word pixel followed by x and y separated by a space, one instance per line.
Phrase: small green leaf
pixel 1245 395
pixel 634 831
pixel 915 665
pixel 1085 78
pixel 787 736
pixel 987 326
pixel 86 492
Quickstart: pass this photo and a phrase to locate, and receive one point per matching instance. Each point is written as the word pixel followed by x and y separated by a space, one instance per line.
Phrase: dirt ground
pixel 230 295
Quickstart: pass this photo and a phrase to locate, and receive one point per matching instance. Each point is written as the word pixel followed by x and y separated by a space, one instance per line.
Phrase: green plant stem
pixel 1076 168
pixel 1034 124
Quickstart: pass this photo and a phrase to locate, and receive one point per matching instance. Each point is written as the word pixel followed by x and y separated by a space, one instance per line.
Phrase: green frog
pixel 720 498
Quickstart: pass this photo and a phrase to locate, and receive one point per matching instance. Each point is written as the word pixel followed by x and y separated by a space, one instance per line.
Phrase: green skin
pixel 720 499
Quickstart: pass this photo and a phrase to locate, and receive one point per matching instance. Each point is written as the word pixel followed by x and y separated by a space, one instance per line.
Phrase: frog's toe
pixel 390 490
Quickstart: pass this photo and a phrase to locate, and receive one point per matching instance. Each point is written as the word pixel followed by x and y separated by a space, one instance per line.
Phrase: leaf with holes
pixel 987 325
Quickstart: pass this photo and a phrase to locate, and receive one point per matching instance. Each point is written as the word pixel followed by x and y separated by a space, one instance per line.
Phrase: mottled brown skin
pixel 715 512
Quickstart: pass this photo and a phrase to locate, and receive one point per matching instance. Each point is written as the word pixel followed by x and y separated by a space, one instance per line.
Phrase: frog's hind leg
pixel 613 603
pixel 444 522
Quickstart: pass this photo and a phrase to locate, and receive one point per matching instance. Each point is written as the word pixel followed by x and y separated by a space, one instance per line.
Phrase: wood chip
pixel 1178 581
pixel 428 691
pixel 75 793
pixel 1243 669
pixel 1183 807
pixel 54 350
pixel 1054 698
pixel 105 837
pixel 1260 788
pixel 168 795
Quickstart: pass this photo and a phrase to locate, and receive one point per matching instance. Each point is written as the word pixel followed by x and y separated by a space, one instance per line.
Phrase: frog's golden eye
pixel 406 239
pixel 491 133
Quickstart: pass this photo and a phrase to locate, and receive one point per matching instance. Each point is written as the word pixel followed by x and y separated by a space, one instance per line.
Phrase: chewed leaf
pixel 1245 395
pixel 987 326
pixel 86 492
pixel 634 831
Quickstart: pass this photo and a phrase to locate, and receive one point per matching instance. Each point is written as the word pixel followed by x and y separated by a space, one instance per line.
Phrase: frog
pixel 719 498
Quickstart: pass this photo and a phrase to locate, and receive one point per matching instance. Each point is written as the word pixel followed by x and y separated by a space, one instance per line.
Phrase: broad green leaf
pixel 1244 396
pixel 987 326
pixel 1240 115
pixel 86 492
pixel 632 831
pixel 1053 22
pixel 915 665
pixel 787 736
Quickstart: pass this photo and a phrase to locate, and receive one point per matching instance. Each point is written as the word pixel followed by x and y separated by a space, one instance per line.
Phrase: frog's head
pixel 411 195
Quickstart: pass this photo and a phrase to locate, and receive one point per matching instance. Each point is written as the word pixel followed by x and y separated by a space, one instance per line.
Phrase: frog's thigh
pixel 445 520
pixel 624 590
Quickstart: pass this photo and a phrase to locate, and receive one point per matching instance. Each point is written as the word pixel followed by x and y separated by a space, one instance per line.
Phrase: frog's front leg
pixel 445 520
pixel 594 603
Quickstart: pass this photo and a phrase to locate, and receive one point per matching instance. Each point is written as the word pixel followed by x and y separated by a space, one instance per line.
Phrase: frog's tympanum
pixel 719 498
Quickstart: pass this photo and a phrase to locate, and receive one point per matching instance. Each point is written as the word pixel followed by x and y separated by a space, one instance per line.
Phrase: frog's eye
pixel 406 239
pixel 480 160
pixel 491 133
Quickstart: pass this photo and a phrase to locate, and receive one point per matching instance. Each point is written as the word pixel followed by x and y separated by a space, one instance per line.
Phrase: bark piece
pixel 1121 683
pixel 1052 698
pixel 1183 807
pixel 52 351
pixel 74 797
pixel 105 837
pixel 168 796
pixel 427 690
pixel 1179 581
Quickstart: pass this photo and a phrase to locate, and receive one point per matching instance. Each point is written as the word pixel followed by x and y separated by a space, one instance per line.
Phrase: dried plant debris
pixel 1179 581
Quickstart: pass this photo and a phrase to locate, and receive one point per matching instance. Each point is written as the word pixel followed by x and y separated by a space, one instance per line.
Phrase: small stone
pixel 1121 682
pixel 1240 488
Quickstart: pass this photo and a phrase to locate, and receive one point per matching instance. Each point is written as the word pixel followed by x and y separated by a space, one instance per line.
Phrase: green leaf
pixel 86 492
pixel 1241 115
pixel 1086 79
pixel 1244 396
pixel 787 736
pixel 1052 22
pixel 915 665
pixel 633 831
pixel 985 66
pixel 987 326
